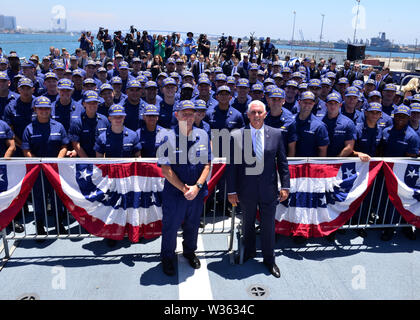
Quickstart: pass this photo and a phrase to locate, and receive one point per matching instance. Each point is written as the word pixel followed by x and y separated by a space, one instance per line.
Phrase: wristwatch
pixel 199 185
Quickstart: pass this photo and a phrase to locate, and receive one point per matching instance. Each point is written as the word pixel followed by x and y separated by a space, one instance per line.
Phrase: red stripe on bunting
pixel 311 170
pixel 324 229
pixel 7 215
pixel 125 170
pixel 95 226
pixel 392 187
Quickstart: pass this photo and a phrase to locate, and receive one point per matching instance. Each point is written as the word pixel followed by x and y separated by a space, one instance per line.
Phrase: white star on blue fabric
pixel 348 173
pixel 106 197
pixel 93 194
pixel 84 174
pixel 412 174
pixel 1 177
pixel 323 201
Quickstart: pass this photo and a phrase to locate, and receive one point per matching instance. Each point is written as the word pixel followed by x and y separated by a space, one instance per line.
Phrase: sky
pixel 272 18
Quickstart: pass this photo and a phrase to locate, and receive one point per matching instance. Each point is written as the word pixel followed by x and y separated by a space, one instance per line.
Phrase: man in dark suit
pixel 243 67
pixel 199 66
pixel 254 183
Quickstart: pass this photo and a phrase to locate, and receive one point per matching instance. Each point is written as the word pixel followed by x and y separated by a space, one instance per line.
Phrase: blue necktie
pixel 258 146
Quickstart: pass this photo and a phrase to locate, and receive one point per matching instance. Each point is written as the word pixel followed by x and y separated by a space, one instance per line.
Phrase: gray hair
pixel 256 103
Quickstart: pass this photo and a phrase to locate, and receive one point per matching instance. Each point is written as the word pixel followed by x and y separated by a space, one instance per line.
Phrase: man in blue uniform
pixel 257 92
pixel 85 130
pixel 148 131
pixel 341 130
pixel 167 105
pixel 6 96
pixel 312 133
pixel 204 86
pixel 243 99
pixel 19 113
pixel 185 185
pixel 200 114
pixel 50 84
pixel 351 100
pixel 292 92
pixel 106 92
pixel 281 118
pixel 388 96
pixel 119 97
pixel 45 137
pixel 132 105
pixel 64 109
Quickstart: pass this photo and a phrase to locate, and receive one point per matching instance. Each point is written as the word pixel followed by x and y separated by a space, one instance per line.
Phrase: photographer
pixel 221 44
pixel 107 43
pixel 146 42
pixel 119 42
pixel 204 45
pixel 230 48
pixel 86 42
pixel 267 49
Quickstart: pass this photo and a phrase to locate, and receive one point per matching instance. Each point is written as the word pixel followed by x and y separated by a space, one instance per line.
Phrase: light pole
pixel 357 21
pixel 293 33
pixel 414 56
pixel 322 29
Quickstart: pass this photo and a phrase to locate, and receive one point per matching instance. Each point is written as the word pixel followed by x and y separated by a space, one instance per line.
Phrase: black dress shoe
pixel 111 242
pixel 274 270
pixel 409 233
pixel 193 260
pixel 168 267
pixel 19 228
pixel 387 234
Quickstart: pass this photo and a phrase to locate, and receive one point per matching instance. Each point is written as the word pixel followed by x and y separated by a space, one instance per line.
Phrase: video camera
pixel 132 29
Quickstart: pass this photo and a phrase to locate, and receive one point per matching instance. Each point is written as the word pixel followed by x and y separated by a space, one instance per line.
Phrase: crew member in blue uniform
pixel 19 113
pixel 45 138
pixel 292 93
pixel 312 133
pixel 257 92
pixel 200 114
pixel 106 92
pixel 117 141
pixel 65 109
pixel 77 78
pixel 385 120
pixel 204 86
pixel 132 105
pixel 351 100
pixel 399 140
pixel 185 185
pixel 243 99
pixel 119 97
pixel 85 130
pixel 415 117
pixel 341 130
pixel 281 118
pixel 6 96
pixel 148 131
pixel 167 105
pixel 50 84
pixel 388 96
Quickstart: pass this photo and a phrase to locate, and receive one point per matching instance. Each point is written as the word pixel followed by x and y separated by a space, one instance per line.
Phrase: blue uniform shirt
pixel 383 122
pixel 340 129
pixel 319 110
pixel 86 130
pixel 44 139
pixel 4 101
pixel 122 145
pixel 355 117
pixel 179 158
pixel 286 123
pixel 18 115
pixel 65 114
pixel 148 141
pixel 312 133
pixel 399 143
pixel 121 99
pixel 166 114
pixel 6 133
pixel 132 119
pixel 220 119
pixel 368 139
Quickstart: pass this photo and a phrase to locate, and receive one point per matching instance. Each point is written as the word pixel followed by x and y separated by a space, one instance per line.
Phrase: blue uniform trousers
pixel 178 211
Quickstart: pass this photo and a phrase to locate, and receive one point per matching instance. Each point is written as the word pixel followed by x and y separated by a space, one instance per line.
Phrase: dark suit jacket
pixel 263 187
pixel 196 69
pixel 227 67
